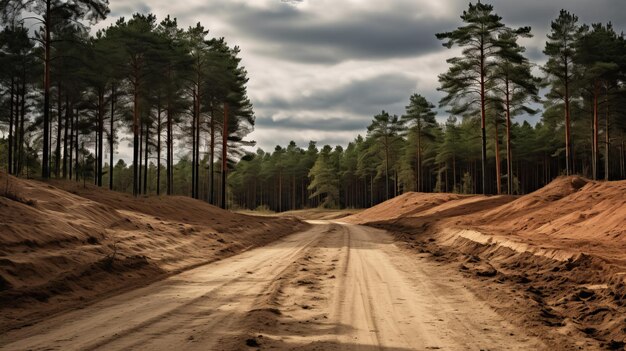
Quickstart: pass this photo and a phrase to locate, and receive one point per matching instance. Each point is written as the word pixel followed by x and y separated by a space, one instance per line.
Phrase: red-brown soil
pixel 553 260
pixel 62 244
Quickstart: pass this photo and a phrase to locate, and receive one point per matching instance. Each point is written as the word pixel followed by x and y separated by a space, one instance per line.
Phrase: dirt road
pixel 334 287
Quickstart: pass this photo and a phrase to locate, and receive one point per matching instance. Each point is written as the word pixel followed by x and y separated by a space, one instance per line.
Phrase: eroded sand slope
pixel 62 244
pixel 553 260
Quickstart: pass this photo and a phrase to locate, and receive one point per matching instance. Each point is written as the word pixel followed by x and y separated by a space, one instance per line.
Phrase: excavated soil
pixel 64 245
pixel 553 260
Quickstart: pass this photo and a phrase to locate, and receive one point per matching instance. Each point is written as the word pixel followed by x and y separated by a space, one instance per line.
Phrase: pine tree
pixel 16 75
pixel 469 79
pixel 598 54
pixel 420 118
pixel 515 87
pixel 324 181
pixel 53 14
pixel 176 71
pixel 137 43
pixel 561 70
pixel 450 150
pixel 385 130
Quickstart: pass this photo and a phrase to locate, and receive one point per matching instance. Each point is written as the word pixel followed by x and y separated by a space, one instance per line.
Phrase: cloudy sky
pixel 320 69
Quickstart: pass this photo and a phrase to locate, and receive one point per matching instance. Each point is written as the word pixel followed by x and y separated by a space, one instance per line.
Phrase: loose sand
pixel 332 287
pixel 541 271
pixel 63 245
pixel 553 260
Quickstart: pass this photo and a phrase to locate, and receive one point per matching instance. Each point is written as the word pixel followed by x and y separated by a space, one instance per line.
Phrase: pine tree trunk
pixel 483 117
pixel 253 195
pixel 95 160
pixel 145 164
pixel 76 163
pixel 447 183
pixel 71 142
pixel 65 134
pixel 386 169
pixel 607 138
pixel 509 153
pixel 396 184
pixel 293 191
pixel 224 154
pixel 10 148
pixel 57 151
pixel 112 137
pixel 574 159
pixel 595 151
pixel 371 191
pixel 20 145
pixel 280 191
pixel 568 146
pixel 498 171
pixel 212 159
pixel 623 158
pixel 418 166
pixel 140 180
pixel 100 154
pixel 45 164
pixel 197 164
pixel 193 147
pixel 136 137
pixel 16 156
pixel 169 145
pixel 158 181
pixel 453 171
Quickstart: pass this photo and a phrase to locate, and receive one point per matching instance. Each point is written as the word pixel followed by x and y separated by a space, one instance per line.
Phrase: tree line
pixel 480 148
pixel 68 98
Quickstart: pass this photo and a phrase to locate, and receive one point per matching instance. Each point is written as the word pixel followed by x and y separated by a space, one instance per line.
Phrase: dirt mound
pixel 417 212
pixel 407 204
pixel 556 190
pixel 556 257
pixel 61 243
pixel 570 213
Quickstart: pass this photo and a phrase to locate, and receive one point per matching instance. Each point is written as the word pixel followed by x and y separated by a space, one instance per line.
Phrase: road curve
pixel 334 287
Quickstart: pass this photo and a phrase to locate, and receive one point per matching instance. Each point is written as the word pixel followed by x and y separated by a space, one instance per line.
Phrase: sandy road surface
pixel 335 286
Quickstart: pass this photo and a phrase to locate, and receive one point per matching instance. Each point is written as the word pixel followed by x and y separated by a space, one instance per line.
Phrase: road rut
pixel 335 286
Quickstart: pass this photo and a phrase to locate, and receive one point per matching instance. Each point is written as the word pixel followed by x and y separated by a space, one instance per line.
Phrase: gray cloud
pixel 370 37
pixel 362 97
pixel 297 52
pixel 125 10
pixel 332 116
pixel 368 34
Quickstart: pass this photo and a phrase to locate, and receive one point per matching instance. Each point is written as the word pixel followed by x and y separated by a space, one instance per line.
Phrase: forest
pixel 579 96
pixel 70 97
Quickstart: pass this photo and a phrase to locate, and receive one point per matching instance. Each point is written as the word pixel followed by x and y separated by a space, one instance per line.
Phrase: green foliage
pixel 560 49
pixel 423 129
pixel 469 82
pixel 386 133
pixel 324 181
